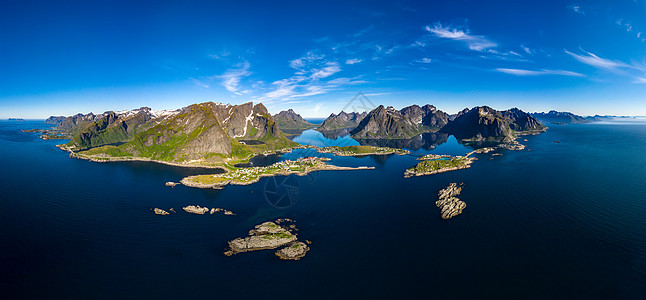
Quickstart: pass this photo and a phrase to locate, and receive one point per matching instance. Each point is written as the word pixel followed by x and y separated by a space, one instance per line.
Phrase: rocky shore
pixel 448 203
pixel 196 209
pixel 161 212
pixel 270 235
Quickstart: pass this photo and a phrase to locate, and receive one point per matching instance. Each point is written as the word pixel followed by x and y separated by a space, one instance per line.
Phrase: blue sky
pixel 63 58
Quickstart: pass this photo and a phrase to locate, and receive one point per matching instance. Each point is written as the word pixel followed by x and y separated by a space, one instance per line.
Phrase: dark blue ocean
pixel 558 220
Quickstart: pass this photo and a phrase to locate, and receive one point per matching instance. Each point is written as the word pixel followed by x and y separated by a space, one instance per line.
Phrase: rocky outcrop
pixel 172 184
pixel 341 121
pixel 196 209
pixel 271 235
pixel 449 205
pixel 293 251
pixel 267 235
pixel 290 120
pixel 480 124
pixel 161 212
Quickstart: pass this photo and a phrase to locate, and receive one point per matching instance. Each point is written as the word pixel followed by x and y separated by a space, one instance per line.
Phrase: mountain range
pixel 209 132
pixel 216 133
pixel 556 117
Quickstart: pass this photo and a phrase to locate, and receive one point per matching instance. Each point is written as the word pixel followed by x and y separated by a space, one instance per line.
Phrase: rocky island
pixel 243 176
pixel 270 235
pixel 448 203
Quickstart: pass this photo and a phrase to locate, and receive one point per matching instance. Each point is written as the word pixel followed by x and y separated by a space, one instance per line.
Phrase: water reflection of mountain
pixel 427 141
pixel 336 133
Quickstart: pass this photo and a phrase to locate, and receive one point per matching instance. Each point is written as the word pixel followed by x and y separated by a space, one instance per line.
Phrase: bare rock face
pixel 293 251
pixel 196 209
pixel 270 235
pixel 161 212
pixel 450 206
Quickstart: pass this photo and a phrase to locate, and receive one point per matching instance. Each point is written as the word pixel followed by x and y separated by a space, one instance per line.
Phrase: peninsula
pixel 244 176
pixel 362 150
pixel 439 165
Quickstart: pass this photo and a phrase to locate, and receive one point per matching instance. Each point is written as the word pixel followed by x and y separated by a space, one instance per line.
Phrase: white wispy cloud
pixel 593 60
pixel 474 42
pixel 424 60
pixel 314 76
pixel 625 25
pixel 527 50
pixel 641 80
pixel 330 69
pixel 576 9
pixel 523 72
pixel 635 71
pixel 220 55
pixel 352 61
pixel 231 78
pixel 301 62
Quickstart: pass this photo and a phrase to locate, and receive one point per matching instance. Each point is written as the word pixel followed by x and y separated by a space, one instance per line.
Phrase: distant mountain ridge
pixel 557 117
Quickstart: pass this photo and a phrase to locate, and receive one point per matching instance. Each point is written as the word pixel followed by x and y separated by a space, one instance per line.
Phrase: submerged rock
pixel 449 205
pixel 293 251
pixel 196 209
pixel 161 212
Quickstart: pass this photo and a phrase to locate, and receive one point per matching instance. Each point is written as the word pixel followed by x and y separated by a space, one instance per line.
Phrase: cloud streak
pixel 473 42
pixel 592 59
pixel 523 72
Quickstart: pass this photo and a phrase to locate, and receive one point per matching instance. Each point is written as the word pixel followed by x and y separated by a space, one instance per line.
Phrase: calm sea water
pixel 559 220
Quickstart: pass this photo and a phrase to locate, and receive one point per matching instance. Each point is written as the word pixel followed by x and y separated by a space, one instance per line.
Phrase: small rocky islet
pixel 448 203
pixel 268 236
pixel 195 209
